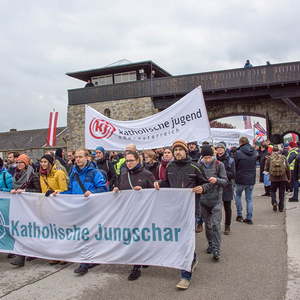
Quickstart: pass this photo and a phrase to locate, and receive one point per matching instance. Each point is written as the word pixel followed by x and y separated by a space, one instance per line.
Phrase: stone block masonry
pixel 128 109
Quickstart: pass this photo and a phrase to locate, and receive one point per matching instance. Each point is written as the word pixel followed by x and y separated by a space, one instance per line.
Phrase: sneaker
pixel 18 261
pixel 209 249
pixel 82 269
pixel 293 200
pixel 239 219
pixel 227 230
pixel 194 265
pixel 183 284
pixel 135 273
pixel 199 228
pixel 216 255
pixel 247 221
pixel 274 207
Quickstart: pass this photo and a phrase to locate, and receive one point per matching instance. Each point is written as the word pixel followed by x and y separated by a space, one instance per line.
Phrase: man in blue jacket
pixel 86 180
pixel 245 162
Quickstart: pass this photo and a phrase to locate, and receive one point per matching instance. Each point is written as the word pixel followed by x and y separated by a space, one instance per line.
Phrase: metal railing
pixel 179 85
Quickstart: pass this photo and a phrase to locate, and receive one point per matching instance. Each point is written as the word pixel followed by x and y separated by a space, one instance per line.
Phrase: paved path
pixel 253 267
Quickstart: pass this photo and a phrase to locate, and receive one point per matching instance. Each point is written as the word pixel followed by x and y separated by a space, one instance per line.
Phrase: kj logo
pixel 101 129
pixel 6 240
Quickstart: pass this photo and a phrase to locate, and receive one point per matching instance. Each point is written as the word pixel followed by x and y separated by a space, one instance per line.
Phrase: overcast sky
pixel 42 40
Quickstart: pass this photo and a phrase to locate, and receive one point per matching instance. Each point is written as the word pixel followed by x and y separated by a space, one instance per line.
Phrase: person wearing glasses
pixel 135 177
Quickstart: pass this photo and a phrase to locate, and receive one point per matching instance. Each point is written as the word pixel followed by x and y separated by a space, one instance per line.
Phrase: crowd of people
pixel 217 175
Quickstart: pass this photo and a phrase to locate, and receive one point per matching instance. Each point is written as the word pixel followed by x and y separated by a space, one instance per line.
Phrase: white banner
pixel 186 119
pixel 229 136
pixel 146 227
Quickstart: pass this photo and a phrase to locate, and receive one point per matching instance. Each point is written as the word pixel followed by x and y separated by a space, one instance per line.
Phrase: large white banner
pixel 186 119
pixel 146 227
pixel 229 136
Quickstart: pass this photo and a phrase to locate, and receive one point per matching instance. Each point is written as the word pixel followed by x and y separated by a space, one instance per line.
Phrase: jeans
pixel 239 188
pixel 186 274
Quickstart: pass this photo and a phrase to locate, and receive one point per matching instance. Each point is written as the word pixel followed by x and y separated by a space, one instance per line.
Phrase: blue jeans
pixel 239 188
pixel 186 274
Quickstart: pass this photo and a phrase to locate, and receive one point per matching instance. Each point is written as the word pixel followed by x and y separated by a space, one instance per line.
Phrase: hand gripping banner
pixel 146 227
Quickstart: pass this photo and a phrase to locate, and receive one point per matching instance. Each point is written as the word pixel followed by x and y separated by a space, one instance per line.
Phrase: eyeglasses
pixel 20 162
pixel 130 160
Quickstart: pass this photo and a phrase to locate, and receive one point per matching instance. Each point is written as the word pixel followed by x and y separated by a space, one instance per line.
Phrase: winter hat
pixel 1 162
pixel 24 158
pixel 49 158
pixel 99 148
pixel 220 145
pixel 59 152
pixel 207 150
pixel 293 144
pixel 180 143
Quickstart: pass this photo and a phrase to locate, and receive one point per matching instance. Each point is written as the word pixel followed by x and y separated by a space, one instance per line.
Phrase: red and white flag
pixel 51 138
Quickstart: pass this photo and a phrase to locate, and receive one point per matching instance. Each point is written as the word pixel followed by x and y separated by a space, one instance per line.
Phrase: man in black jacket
pixel 183 173
pixel 245 162
pixel 106 166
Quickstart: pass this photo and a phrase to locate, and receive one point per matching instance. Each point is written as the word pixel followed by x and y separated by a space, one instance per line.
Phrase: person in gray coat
pixel 211 203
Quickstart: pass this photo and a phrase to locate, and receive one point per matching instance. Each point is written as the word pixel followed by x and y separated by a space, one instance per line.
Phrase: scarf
pixel 22 178
pixel 162 169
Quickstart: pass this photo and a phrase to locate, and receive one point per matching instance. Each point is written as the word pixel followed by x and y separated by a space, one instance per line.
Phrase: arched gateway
pixel 270 91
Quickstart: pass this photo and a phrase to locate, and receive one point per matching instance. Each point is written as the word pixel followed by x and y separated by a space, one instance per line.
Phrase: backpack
pixel 277 165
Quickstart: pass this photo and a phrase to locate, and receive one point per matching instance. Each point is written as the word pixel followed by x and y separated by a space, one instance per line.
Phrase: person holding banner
pixel 24 180
pixel 136 177
pixel 183 173
pixel 86 180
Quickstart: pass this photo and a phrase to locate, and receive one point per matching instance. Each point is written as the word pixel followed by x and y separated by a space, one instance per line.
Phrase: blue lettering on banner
pixel 7 242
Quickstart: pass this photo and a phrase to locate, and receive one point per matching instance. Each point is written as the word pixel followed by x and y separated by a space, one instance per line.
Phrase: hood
pixel 88 167
pixel 247 149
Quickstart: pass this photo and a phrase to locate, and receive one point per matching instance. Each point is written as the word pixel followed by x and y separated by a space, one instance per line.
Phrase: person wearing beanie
pixel 24 180
pixel 227 196
pixel 51 179
pixel 106 167
pixel 291 157
pixel 183 173
pixel 194 152
pixel 207 150
pixel 211 203
pixel 6 181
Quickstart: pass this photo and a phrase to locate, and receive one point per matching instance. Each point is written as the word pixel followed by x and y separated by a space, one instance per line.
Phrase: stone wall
pixel 128 109
pixel 282 118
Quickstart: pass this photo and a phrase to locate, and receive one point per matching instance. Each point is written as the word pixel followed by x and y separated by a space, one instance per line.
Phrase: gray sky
pixel 42 40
